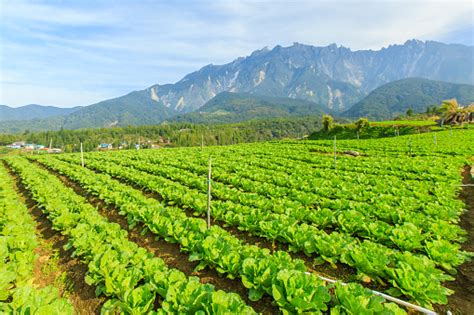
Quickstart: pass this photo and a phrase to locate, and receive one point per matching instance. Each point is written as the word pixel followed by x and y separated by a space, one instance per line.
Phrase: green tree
pixel 410 112
pixel 361 124
pixel 328 122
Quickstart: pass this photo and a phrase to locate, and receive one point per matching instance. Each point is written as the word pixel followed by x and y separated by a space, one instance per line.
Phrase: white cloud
pixel 108 47
pixel 54 14
pixel 65 96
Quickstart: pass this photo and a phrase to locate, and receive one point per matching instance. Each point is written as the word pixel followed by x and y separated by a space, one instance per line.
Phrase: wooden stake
pixel 209 194
pixel 82 156
pixel 202 141
pixel 435 142
pixel 335 154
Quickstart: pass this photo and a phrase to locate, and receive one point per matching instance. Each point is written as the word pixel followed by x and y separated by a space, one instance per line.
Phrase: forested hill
pixel 397 97
pixel 33 111
pixel 228 107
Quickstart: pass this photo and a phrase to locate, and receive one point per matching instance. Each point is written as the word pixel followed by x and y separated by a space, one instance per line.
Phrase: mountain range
pixel 33 111
pixel 290 80
pixel 334 76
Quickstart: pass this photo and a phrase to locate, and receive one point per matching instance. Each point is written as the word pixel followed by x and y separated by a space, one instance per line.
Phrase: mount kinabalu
pixel 333 76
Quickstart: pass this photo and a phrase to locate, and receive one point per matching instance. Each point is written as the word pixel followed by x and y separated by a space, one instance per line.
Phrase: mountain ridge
pixel 32 111
pixel 339 76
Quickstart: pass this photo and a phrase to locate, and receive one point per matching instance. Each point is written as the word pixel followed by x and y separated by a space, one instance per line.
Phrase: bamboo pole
pixel 387 297
pixel 209 194
pixel 82 156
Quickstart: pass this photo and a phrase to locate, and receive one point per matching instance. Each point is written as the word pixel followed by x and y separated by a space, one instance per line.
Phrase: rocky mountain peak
pixel 333 76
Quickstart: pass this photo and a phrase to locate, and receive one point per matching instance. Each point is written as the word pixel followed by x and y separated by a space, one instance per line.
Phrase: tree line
pixel 173 134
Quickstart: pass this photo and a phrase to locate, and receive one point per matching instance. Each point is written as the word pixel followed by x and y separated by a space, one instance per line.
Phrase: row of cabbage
pixel 133 280
pixel 443 143
pixel 276 274
pixel 435 237
pixel 320 154
pixel 414 168
pixel 18 241
pixel 283 172
pixel 428 206
pixel 372 149
pixel 413 275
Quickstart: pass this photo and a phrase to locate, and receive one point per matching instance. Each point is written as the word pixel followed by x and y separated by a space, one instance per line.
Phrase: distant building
pixel 26 146
pixel 105 146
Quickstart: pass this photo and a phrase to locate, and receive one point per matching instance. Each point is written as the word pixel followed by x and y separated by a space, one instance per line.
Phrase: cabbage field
pixel 285 217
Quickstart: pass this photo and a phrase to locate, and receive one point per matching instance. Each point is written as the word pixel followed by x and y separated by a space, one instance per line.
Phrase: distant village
pixel 22 145
pixel 33 147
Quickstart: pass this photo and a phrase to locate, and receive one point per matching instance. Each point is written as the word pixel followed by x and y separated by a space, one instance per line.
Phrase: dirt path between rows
pixel 55 266
pixel 462 301
pixel 169 252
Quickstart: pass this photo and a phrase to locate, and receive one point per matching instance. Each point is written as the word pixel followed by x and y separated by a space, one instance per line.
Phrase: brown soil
pixel 462 301
pixel 339 153
pixel 169 252
pixel 55 266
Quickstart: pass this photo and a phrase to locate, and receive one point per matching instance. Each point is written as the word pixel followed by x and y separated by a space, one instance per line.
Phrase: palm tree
pixel 449 106
pixel 452 113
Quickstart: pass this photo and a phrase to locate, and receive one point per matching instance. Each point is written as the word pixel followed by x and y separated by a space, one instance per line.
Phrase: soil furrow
pixel 169 252
pixel 462 301
pixel 55 265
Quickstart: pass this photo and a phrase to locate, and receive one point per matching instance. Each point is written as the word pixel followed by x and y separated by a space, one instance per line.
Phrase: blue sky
pixel 68 53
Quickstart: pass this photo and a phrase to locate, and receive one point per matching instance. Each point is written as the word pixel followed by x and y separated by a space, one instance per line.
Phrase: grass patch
pixel 416 123
pixel 51 265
